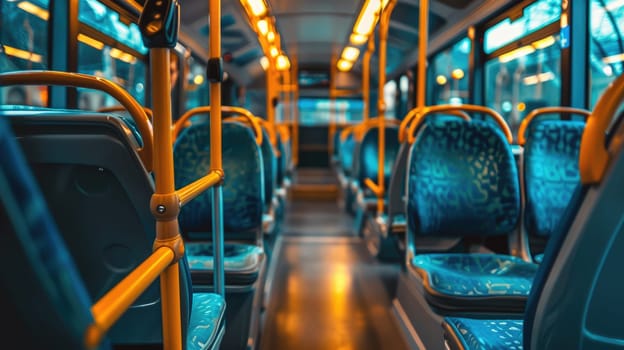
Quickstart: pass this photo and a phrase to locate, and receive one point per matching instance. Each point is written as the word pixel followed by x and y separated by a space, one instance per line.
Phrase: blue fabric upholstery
pixel 346 154
pixel 269 164
pixel 206 318
pixel 462 180
pixel 479 334
pixel 42 292
pixel 551 172
pixel 243 187
pixel 237 257
pixel 369 155
pixel 475 275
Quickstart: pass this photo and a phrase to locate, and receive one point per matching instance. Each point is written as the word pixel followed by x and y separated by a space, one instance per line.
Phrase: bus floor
pixel 325 291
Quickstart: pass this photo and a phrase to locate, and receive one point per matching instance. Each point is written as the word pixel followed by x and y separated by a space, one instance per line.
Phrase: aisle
pixel 327 292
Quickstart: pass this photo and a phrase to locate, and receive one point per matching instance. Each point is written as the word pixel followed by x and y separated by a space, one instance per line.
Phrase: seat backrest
pixel 367 161
pixel 575 301
pixel 99 192
pixel 550 173
pixel 243 186
pixel 42 296
pixel 461 181
pixel 347 148
pixel 269 164
pixel 282 161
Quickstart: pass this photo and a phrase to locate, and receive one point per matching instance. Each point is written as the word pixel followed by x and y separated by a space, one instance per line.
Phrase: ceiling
pixel 314 30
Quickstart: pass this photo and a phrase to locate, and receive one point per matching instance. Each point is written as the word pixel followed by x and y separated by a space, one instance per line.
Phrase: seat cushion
pixel 241 262
pixel 466 333
pixel 470 282
pixel 206 321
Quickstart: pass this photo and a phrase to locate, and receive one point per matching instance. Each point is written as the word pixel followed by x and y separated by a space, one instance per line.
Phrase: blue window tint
pixel 105 20
pixel 112 64
pixel 524 79
pixel 196 85
pixel 449 82
pixel 535 16
pixel 24 46
pixel 317 111
pixel 606 57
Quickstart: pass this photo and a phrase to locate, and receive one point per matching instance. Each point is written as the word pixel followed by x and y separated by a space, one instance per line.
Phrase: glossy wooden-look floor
pixel 327 292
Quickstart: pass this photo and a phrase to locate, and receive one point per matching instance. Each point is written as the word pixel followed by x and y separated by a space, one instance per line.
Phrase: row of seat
pixel 462 183
pixel 97 189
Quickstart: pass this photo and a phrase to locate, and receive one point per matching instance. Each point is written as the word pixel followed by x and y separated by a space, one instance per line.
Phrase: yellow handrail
pixel 409 117
pixel 594 157
pixel 546 110
pixel 148 111
pixel 42 77
pixel 253 120
pixel 466 107
pixel 107 310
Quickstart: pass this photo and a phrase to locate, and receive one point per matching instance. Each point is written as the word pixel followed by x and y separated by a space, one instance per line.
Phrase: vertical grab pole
pixel 159 24
pixel 423 35
pixel 215 75
pixel 332 105
pixel 295 131
pixel 384 23
pixel 366 75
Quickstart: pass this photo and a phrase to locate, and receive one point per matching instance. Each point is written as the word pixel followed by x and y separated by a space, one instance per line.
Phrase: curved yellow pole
pixel 180 123
pixel 420 117
pixel 594 157
pixel 91 82
pixel 546 110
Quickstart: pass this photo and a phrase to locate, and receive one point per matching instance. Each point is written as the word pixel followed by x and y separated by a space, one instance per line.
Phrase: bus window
pixel 196 86
pixel 520 81
pixel 110 49
pixel 606 58
pixel 313 111
pixel 449 82
pixel 534 17
pixel 24 47
pixel 523 72
pixel 390 98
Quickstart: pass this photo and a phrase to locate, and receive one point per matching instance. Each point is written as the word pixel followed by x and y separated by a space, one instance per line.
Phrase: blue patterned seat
pixel 462 182
pixel 551 173
pixel 243 205
pixel 243 199
pixel 93 181
pixel 480 334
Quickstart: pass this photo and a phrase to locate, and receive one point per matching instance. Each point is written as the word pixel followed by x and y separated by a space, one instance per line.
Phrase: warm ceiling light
pixel 368 17
pixel 198 79
pixel 457 74
pixel 271 37
pixel 90 41
pixel 34 10
pixel 258 7
pixel 273 51
pixel 25 55
pixel 344 65
pixel 543 43
pixel 519 52
pixel 263 26
pixel 264 62
pixel 441 79
pixel 350 53
pixel 614 59
pixel 282 62
pixel 357 39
